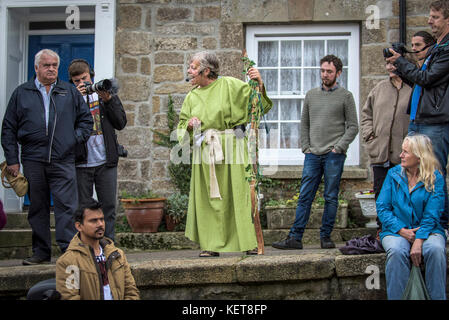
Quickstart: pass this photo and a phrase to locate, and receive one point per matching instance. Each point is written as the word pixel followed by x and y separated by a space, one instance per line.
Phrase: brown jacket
pixel 78 275
pixel 384 121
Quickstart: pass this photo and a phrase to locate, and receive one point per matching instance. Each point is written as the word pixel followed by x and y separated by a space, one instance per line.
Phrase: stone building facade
pixel 155 38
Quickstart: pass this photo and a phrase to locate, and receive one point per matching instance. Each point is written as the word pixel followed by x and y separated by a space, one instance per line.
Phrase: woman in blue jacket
pixel 409 206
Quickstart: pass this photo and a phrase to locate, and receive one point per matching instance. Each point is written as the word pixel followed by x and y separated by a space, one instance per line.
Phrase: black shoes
pixel 31 261
pixel 327 243
pixel 288 244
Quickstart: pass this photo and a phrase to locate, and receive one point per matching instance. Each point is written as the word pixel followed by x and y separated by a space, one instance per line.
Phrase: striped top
pixel 328 120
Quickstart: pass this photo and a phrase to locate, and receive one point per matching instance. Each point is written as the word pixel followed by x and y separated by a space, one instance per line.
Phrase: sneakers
pixel 327 243
pixel 288 244
pixel 34 260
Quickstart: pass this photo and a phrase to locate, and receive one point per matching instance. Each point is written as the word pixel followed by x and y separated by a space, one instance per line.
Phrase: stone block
pixel 168 73
pixel 128 169
pixel 144 115
pixel 231 35
pixel 159 170
pixel 129 17
pixel 168 58
pixel 414 7
pixel 156 104
pixel 133 42
pixel 231 64
pixel 173 88
pixel 136 140
pixel 209 43
pixel 254 11
pixel 172 14
pixel 207 14
pixel 183 28
pixel 355 265
pixel 145 66
pixel 300 10
pixel 341 10
pixel 282 217
pixel 160 121
pixel 374 35
pixel 154 1
pixel 134 88
pixel 148 20
pixel 412 22
pixel 372 62
pixel 176 43
pixel 128 64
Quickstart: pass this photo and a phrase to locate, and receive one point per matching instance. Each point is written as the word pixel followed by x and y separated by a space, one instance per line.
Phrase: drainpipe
pixel 403 21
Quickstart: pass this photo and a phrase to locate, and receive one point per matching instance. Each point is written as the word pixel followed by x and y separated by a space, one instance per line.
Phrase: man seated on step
pixel 92 268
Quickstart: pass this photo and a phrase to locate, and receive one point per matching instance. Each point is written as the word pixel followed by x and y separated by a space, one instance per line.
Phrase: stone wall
pixel 155 38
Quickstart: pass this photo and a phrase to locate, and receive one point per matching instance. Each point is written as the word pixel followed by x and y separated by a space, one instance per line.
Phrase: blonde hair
pixel 421 146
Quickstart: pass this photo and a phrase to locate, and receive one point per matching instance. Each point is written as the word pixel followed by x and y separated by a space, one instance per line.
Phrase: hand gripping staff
pixel 255 112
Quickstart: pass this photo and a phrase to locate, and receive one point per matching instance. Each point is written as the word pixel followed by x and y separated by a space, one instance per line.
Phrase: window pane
pixel 268 140
pixel 343 80
pixel 290 81
pixel 291 109
pixel 273 114
pixel 338 48
pixel 312 79
pixel 313 52
pixel 270 80
pixel 290 53
pixel 290 135
pixel 268 54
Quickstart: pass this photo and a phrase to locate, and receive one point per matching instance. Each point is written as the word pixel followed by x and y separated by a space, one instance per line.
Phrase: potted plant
pixel 176 212
pixel 144 212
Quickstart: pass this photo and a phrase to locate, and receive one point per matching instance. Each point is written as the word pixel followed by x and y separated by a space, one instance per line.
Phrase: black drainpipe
pixel 403 21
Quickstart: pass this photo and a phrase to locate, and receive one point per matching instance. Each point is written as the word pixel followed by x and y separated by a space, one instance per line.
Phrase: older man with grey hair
pixel 46 117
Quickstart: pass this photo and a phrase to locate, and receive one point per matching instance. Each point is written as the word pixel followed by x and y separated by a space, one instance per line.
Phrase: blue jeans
pixel 331 165
pixel 439 135
pixel 398 265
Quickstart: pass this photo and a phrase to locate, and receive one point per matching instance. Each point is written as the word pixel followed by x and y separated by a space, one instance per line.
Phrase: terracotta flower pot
pixel 144 215
pixel 170 223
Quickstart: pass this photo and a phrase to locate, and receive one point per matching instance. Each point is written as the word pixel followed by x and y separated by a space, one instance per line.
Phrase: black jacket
pixel 112 116
pixel 69 123
pixel 433 105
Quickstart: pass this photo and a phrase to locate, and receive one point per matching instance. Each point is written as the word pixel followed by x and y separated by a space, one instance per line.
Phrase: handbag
pixel 416 287
pixel 19 183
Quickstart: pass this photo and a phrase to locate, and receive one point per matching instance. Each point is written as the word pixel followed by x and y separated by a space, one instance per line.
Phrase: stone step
pixel 16 243
pixel 19 220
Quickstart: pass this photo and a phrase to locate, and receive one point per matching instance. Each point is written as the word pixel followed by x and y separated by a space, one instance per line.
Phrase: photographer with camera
pixel 429 102
pixel 97 159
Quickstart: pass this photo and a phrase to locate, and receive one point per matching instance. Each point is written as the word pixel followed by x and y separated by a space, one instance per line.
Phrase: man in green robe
pixel 214 114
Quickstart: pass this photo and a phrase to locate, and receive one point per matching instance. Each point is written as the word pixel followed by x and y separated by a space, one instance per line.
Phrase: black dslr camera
pixel 103 85
pixel 396 46
pixel 122 152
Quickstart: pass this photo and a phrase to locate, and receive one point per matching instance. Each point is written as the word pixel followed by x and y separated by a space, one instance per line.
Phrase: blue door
pixel 68 47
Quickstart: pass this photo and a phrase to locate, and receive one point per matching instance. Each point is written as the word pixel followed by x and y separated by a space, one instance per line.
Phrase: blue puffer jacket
pixel 397 208
pixel 70 122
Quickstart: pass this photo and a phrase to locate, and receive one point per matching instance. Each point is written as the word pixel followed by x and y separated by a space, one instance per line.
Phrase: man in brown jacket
pixel 92 268
pixel 384 124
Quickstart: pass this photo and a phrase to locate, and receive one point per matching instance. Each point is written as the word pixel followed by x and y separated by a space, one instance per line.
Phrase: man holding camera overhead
pixel 47 117
pixel 97 159
pixel 429 102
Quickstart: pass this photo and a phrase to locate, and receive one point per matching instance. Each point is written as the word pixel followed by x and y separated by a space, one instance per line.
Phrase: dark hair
pixel 90 204
pixel 441 5
pixel 334 59
pixel 79 66
pixel 427 37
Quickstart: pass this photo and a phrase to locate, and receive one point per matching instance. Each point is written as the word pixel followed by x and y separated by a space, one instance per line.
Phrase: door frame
pixel 104 57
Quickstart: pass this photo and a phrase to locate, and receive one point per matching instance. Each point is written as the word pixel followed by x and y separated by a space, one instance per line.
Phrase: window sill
pixel 295 172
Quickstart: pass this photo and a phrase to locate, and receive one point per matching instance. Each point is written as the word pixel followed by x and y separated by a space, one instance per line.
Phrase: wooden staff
pixel 255 114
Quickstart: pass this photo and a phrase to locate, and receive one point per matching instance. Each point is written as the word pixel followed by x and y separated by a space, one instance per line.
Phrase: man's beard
pixel 330 85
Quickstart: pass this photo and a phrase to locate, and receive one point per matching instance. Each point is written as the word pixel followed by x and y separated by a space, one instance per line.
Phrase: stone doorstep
pixel 241 271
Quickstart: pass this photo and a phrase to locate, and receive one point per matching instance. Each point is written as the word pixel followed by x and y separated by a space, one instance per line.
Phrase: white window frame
pixel 349 31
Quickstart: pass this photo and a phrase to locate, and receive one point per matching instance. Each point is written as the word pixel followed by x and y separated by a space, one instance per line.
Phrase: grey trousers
pixel 105 181
pixel 60 178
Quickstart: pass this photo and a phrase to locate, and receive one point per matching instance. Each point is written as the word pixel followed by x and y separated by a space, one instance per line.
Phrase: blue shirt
pixel 46 98
pixel 416 95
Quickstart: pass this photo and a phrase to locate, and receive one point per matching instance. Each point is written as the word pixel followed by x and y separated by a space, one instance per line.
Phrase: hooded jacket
pixel 433 107
pixel 78 276
pixel 69 123
pixel 398 208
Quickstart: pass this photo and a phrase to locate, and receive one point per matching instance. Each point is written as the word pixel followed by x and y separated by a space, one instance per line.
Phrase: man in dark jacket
pixel 47 117
pixel 429 102
pixel 97 159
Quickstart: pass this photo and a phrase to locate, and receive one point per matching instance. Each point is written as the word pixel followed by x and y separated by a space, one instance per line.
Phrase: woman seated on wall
pixel 409 207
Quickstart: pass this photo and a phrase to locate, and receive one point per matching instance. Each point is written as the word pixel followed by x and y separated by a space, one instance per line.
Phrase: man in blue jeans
pixel 429 102
pixel 328 125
